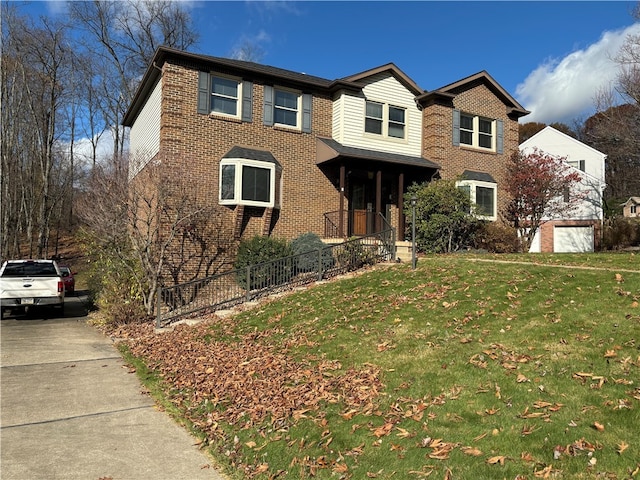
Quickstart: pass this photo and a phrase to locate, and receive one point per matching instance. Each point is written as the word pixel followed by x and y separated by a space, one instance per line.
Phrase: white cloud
pixel 561 90
pixel 251 47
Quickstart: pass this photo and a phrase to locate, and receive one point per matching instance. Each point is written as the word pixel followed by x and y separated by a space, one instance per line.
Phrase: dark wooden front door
pixel 362 197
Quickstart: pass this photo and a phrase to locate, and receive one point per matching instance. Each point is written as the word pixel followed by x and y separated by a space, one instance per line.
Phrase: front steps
pixel 403 249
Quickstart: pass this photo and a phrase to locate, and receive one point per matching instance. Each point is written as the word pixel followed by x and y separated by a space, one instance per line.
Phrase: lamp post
pixel 414 200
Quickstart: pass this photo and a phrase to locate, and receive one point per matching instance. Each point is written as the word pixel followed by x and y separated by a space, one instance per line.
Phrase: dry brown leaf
pixel 439 454
pixel 474 451
pixel 622 446
pixel 340 468
pixel 527 457
pixel 544 473
pixel 610 354
pixel 598 426
pixel 383 430
pixel 521 378
pixel 497 459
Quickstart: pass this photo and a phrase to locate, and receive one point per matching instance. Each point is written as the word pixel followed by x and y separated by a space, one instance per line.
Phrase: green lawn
pixel 461 369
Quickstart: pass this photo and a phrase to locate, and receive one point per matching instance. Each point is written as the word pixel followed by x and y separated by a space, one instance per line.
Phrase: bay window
pixel 249 182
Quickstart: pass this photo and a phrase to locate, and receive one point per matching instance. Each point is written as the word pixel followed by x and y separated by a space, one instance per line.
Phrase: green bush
pixel 111 280
pixel 443 220
pixel 259 253
pixel 306 246
pixel 353 255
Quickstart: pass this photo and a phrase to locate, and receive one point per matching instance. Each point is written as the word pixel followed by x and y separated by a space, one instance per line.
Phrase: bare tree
pixel 36 65
pixel 162 227
pixel 121 38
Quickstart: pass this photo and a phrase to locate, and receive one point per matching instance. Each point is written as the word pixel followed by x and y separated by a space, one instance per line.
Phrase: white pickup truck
pixel 30 283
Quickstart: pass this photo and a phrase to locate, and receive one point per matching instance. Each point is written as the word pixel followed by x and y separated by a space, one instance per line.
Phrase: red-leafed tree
pixel 542 188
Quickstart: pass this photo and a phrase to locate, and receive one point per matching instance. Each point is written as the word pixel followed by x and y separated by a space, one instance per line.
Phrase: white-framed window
pixel 483 196
pixel 249 182
pixel 226 95
pixel 384 119
pixel 579 164
pixel 286 108
pixel 634 209
pixel 476 131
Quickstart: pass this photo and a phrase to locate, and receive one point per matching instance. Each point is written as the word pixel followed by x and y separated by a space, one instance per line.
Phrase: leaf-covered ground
pixel 460 369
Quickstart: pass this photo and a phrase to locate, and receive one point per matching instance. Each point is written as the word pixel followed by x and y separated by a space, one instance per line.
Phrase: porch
pixel 339 226
pixel 370 187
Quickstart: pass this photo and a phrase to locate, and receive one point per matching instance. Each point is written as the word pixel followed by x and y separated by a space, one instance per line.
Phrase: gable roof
pixel 391 68
pixel 563 136
pixel 447 93
pixel 632 201
pixel 307 83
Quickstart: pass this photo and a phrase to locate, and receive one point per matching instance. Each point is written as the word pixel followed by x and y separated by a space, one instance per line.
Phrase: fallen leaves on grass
pixel 622 446
pixel 251 380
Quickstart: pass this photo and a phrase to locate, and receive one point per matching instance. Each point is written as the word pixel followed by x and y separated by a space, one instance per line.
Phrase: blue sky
pixel 551 56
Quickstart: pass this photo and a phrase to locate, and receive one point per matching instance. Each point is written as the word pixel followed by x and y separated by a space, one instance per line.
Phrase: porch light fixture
pixel 414 200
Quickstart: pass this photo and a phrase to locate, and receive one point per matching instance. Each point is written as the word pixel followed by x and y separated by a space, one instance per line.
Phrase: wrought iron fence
pixel 237 286
pixel 349 223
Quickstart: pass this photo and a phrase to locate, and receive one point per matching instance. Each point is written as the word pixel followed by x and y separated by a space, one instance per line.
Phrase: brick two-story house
pixel 287 153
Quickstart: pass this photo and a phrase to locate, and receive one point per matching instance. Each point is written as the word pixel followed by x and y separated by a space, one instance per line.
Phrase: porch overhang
pixel 328 151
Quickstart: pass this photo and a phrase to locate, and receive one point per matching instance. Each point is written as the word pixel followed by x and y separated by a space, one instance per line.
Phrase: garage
pixel 573 239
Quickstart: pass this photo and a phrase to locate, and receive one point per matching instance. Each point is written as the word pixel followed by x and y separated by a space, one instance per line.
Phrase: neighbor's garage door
pixel 573 239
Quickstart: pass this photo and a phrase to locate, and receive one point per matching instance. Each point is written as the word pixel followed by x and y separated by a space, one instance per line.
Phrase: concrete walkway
pixel 70 409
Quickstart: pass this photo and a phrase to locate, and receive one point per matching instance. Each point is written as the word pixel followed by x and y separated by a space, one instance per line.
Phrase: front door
pixel 362 198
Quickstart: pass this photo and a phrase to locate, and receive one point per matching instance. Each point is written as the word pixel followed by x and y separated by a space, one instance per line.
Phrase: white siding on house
pixel 144 138
pixel 336 117
pixel 349 116
pixel 556 143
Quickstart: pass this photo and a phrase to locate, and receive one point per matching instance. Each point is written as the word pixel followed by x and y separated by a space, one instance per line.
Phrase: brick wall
pixel 202 140
pixel 438 145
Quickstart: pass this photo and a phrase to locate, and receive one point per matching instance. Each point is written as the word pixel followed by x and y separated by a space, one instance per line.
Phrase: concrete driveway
pixel 70 409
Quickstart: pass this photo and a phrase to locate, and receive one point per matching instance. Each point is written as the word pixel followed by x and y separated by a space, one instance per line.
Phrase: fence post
pixel 320 270
pixel 159 307
pixel 248 294
pixel 392 242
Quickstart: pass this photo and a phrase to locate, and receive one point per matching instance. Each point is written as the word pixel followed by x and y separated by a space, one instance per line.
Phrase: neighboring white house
pixel 579 232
